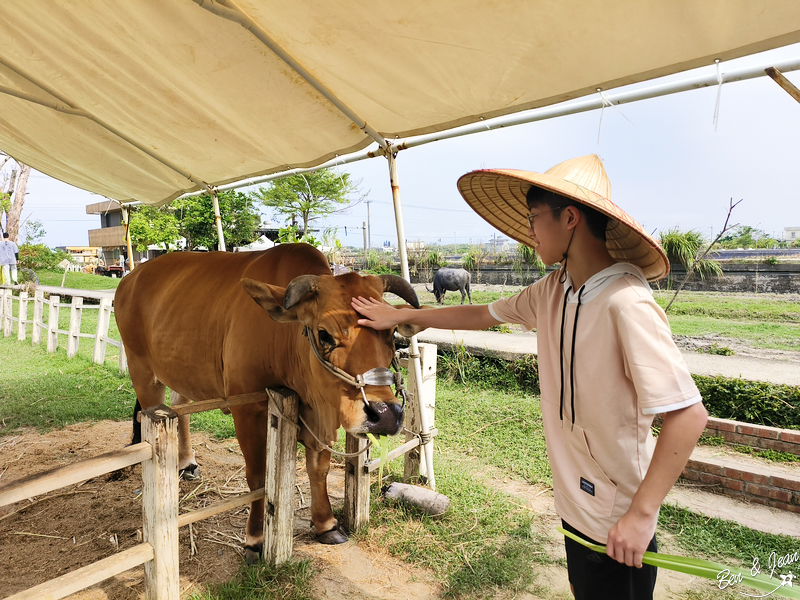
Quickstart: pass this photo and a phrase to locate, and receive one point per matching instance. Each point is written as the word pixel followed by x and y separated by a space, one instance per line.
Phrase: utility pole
pixel 369 227
pixel 364 229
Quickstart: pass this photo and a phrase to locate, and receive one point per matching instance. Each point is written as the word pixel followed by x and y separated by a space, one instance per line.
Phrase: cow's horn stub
pixel 299 288
pixel 401 287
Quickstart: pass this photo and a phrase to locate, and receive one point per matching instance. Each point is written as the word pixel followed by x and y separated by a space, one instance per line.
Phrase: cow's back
pixel 187 318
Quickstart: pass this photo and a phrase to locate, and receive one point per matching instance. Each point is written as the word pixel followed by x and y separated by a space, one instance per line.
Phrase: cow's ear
pixel 406 329
pixel 270 298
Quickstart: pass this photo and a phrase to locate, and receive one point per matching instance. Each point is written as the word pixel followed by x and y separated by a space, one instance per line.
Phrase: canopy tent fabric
pixel 148 99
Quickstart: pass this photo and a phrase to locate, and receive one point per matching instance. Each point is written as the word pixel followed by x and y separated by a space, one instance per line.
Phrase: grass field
pixel 490 429
pixel 486 434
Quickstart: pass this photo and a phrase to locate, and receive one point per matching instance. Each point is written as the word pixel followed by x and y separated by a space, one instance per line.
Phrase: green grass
pixel 778 336
pixel 484 542
pixel 490 426
pixel 81 281
pixel 744 307
pixel 289 581
pixel 723 541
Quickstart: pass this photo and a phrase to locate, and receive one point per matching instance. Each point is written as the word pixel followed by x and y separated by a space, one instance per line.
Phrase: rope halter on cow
pixel 377 376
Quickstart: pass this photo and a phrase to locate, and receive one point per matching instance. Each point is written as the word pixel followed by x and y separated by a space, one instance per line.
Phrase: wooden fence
pixel 48 328
pixel 158 454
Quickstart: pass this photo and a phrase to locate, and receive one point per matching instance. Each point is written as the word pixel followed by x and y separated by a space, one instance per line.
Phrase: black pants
pixel 596 576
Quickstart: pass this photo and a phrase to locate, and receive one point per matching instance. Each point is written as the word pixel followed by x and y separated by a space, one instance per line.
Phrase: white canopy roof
pixel 148 99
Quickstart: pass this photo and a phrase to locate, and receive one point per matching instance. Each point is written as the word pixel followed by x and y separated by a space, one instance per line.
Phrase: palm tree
pixel 684 248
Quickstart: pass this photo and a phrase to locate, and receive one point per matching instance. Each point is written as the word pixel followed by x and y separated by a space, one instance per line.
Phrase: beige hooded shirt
pixel 623 368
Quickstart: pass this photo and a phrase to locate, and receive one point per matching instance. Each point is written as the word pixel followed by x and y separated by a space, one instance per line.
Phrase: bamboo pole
pixel 7 311
pixel 125 218
pixel 416 371
pixel 218 219
pixel 787 85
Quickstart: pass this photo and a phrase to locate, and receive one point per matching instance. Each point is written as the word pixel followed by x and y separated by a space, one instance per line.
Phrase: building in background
pixel 110 238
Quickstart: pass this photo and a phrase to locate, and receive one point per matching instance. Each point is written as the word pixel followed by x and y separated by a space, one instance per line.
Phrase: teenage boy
pixel 602 379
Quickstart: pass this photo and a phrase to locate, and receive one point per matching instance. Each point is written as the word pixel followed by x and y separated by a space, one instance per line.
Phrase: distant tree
pixel 33 232
pixel 742 236
pixel 195 217
pixel 149 225
pixel 13 183
pixel 307 197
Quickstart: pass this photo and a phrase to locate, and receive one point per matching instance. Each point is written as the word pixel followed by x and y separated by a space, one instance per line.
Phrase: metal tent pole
pixel 426 440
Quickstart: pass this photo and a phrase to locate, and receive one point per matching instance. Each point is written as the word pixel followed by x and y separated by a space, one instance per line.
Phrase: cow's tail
pixel 137 425
pixel 429 289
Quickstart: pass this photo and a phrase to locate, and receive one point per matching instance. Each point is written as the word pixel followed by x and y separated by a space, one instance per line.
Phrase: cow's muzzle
pixel 383 418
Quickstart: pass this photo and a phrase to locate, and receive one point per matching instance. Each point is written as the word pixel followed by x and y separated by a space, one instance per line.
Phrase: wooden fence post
pixel 103 320
pixel 75 314
pixel 22 322
pixel 412 466
pixel 52 324
pixel 38 311
pixel 7 312
pixel 284 407
pixel 160 503
pixel 123 359
pixel 356 485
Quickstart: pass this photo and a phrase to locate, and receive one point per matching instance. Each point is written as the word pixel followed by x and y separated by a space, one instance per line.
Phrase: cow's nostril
pixel 373 416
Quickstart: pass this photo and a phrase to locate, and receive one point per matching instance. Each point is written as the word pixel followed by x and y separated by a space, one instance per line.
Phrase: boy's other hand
pixel 379 315
pixel 629 538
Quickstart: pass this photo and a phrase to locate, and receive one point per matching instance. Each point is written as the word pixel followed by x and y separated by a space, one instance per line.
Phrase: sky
pixel 668 164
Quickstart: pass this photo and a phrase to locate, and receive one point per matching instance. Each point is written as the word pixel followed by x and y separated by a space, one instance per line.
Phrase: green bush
pixel 750 401
pixel 489 372
pixel 39 256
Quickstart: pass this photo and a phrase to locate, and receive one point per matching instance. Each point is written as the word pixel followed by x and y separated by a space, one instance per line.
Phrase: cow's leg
pixel 149 391
pixel 317 466
pixel 251 431
pixel 463 294
pixel 469 294
pixel 187 463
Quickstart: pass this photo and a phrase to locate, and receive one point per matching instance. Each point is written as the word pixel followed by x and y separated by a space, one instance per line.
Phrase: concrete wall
pixel 737 277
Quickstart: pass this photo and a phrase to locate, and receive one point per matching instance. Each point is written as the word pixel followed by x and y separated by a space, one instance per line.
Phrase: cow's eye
pixel 326 338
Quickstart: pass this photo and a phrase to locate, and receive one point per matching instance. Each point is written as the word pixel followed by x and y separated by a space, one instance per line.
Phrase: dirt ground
pixel 73 527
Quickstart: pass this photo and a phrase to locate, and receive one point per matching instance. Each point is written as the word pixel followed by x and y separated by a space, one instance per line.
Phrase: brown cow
pixel 188 321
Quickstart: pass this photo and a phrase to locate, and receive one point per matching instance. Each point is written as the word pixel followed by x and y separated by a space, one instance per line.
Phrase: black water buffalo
pixel 452 280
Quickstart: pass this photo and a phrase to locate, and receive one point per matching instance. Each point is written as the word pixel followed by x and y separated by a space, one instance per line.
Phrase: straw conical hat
pixel 499 196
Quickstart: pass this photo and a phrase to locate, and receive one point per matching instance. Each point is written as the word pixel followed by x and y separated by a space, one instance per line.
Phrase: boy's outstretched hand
pixel 379 315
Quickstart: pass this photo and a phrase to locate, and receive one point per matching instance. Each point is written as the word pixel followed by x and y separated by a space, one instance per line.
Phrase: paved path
pixel 515 345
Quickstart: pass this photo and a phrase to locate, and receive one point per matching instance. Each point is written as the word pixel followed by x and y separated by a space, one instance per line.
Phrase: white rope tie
pixel 719 94
pixel 607 102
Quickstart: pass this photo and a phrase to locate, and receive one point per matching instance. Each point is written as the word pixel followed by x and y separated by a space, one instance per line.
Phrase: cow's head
pixel 322 304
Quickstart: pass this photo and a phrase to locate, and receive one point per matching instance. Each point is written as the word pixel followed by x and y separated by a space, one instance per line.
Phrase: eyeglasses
pixel 532 217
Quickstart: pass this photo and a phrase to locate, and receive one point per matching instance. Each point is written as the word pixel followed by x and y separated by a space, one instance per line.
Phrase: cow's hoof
pixel 332 537
pixel 189 473
pixel 252 553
